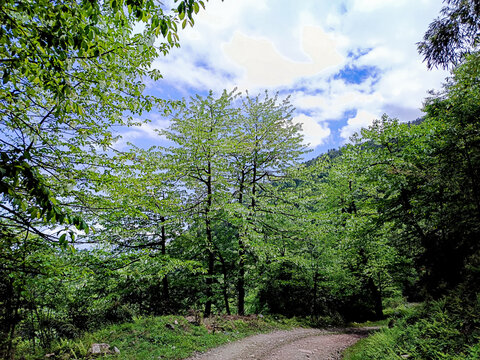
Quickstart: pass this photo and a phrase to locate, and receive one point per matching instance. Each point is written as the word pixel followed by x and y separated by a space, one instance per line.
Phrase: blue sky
pixel 344 63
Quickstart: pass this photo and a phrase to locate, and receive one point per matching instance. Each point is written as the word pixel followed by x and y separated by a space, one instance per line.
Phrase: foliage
pixel 436 201
pixel 71 71
pixel 453 35
pixel 433 331
pixel 168 337
pixel 227 218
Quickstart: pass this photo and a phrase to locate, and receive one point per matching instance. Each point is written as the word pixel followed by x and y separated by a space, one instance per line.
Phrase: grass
pixel 168 337
pixel 430 331
pixel 381 345
pixel 380 323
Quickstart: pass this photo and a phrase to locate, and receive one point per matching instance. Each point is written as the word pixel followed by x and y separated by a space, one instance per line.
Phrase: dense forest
pixel 228 219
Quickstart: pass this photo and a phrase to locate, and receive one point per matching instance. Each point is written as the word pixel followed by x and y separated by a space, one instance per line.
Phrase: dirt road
pixel 288 345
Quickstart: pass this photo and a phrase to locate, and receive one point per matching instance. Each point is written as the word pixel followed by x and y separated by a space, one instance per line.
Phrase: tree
pixel 268 144
pixel 452 120
pixel 139 207
pixel 70 71
pixel 453 35
pixel 199 131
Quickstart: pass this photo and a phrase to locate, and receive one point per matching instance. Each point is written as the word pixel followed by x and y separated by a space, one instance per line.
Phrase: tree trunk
pixel 11 314
pixel 315 292
pixel 241 277
pixel 225 285
pixel 211 255
pixel 241 259
pixel 166 292
pixel 209 282
pixel 377 299
pixel 254 182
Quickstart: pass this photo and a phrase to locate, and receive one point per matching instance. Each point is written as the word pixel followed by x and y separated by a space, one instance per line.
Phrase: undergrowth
pixel 444 329
pixel 166 337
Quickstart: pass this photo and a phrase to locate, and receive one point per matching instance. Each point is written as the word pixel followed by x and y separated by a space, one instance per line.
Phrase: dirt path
pixel 288 345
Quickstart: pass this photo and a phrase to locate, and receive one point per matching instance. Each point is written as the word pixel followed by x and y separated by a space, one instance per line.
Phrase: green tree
pixel 199 132
pixel 427 180
pixel 70 71
pixel 269 142
pixel 139 207
pixel 452 35
pixel 451 201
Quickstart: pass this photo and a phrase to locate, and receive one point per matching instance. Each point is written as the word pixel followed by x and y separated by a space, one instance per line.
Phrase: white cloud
pixel 372 5
pixel 182 73
pixel 221 15
pixel 314 134
pixel 362 120
pixel 299 47
pixel 146 132
pixel 265 66
pixel 338 97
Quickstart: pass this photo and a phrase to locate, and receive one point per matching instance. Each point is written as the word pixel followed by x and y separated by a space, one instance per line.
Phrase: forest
pixel 228 219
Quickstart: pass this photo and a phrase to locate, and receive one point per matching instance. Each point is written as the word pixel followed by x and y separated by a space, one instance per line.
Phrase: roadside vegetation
pixel 442 329
pixel 165 337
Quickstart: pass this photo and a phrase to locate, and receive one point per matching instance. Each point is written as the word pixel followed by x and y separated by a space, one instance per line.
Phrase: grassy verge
pixel 436 330
pixel 166 337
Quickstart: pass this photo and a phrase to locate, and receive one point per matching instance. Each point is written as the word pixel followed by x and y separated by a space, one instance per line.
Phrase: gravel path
pixel 288 345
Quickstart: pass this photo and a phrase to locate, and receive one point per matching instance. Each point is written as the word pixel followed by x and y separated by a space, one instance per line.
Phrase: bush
pixel 442 329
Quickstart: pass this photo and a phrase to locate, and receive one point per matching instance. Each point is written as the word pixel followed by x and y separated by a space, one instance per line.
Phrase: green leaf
pixel 62 241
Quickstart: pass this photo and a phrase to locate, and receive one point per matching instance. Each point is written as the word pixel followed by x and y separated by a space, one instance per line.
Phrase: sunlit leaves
pixel 70 71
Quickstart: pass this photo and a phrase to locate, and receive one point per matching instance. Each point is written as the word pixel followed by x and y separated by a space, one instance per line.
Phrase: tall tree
pixel 71 70
pixel 269 142
pixel 199 131
pixel 139 207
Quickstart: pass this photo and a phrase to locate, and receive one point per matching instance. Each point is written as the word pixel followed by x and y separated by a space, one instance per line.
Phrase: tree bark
pixel 315 294
pixel 166 292
pixel 211 255
pixel 377 299
pixel 241 277
pixel 225 285
pixel 241 258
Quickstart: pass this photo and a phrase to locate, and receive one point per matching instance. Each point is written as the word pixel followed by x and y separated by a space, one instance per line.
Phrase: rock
pixel 170 326
pixel 175 322
pixel 115 350
pixel 50 355
pixel 101 348
pixel 192 320
pixel 305 351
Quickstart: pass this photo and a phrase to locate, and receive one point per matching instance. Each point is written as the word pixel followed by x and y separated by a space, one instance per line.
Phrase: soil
pixel 289 345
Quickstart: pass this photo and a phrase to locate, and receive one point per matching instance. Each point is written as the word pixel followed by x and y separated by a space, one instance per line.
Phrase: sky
pixel 343 63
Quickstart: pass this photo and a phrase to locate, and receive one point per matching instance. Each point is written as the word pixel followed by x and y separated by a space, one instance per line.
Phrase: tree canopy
pixel 71 70
pixel 452 35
